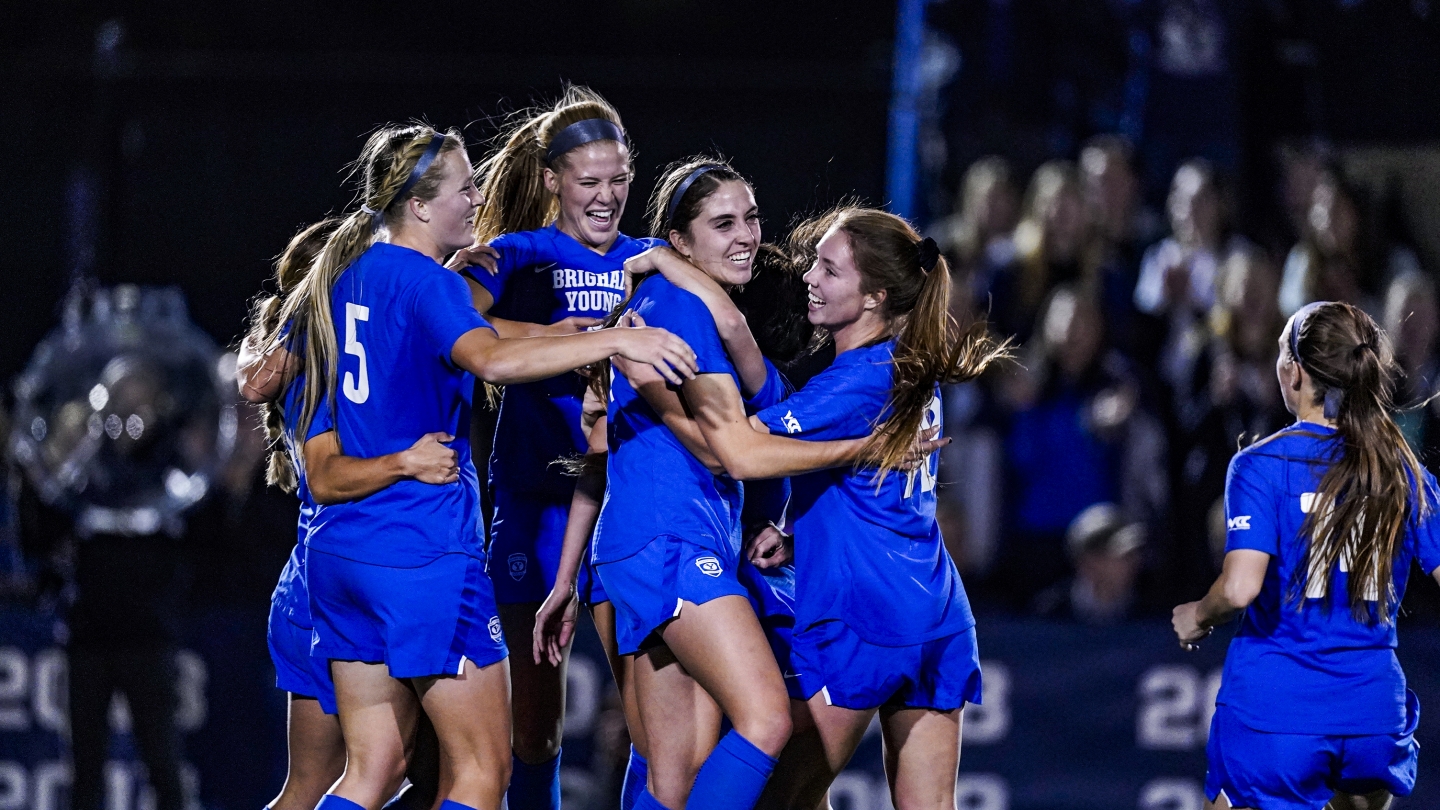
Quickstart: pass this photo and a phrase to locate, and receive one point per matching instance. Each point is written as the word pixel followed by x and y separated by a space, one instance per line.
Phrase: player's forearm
pixel 729 321
pixel 747 454
pixel 515 329
pixel 1219 605
pixel 584 512
pixel 337 479
pixel 520 360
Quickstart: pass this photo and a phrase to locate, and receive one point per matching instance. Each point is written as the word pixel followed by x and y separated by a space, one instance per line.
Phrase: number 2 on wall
pixel 356 392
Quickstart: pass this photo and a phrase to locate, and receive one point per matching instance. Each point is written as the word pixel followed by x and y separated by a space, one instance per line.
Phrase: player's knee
pixel 378 770
pixel 766 729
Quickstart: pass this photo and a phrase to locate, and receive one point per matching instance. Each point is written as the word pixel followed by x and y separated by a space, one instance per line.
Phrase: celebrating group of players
pixel 638 396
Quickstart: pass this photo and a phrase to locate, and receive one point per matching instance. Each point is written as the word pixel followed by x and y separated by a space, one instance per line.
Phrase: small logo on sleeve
pixel 1239 523
pixel 518 564
pixel 709 566
pixel 495 633
pixel 792 425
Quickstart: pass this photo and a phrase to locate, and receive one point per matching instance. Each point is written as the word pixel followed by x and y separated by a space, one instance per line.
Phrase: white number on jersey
pixel 356 392
pixel 926 471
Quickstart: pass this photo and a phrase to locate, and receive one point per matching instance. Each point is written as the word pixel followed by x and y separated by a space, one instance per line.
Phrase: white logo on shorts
pixel 709 566
pixel 495 634
pixel 518 564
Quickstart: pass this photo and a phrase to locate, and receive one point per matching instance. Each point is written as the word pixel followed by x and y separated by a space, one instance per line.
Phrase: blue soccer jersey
pixel 655 486
pixel 397 316
pixel 1305 667
pixel 291 594
pixel 544 276
pixel 873 559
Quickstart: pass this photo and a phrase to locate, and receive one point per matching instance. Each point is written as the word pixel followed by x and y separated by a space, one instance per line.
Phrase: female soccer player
pixel 398 592
pixel 316 749
pixel 1323 519
pixel 771 590
pixel 554 194
pixel 882 621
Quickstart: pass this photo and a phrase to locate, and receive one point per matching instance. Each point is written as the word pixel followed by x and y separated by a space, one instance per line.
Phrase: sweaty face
pixel 592 186
pixel 723 239
pixel 452 212
pixel 836 299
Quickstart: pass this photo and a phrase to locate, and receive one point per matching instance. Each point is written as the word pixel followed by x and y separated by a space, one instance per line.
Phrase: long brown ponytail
pixel 930 346
pixel 1364 502
pixel 512 180
pixel 384 166
pixel 290 268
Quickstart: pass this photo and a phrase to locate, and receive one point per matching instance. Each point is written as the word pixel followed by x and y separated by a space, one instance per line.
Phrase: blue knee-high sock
pixel 645 800
pixel 635 775
pixel 534 787
pixel 448 805
pixel 405 800
pixel 732 776
pixel 332 802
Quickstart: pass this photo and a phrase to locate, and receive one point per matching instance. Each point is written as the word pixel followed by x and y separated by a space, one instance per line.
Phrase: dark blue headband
pixel 684 187
pixel 421 166
pixel 1333 396
pixel 581 133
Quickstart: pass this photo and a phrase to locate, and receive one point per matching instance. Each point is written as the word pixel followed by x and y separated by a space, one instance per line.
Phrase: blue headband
pixel 684 187
pixel 581 133
pixel 1333 396
pixel 421 166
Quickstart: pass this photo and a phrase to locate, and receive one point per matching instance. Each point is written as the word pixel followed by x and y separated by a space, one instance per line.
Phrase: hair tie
pixel 581 133
pixel 929 255
pixel 374 217
pixel 684 187
pixel 1333 399
pixel 1363 346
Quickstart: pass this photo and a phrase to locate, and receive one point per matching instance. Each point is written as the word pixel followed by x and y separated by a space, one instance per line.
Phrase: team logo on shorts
pixel 495 633
pixel 518 565
pixel 709 566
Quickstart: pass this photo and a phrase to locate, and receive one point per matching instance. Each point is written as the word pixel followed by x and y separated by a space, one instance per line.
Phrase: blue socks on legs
pixel 644 800
pixel 448 805
pixel 635 775
pixel 534 787
pixel 332 802
pixel 732 777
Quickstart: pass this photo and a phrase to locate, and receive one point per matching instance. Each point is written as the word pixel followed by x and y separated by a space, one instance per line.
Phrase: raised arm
pixel 335 478
pixel 729 321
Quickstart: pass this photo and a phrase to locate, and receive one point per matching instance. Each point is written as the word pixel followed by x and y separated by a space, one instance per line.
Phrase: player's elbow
pixel 1239 592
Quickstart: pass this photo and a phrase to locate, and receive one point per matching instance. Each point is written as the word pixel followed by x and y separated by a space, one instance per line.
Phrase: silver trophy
pixel 125 413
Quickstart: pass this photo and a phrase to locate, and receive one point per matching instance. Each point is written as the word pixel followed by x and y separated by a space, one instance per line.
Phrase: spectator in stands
pixel 1048 244
pixel 1119 230
pixel 1077 435
pixel 1106 551
pixel 1177 275
pixel 976 238
pixel 1333 260
pixel 1230 392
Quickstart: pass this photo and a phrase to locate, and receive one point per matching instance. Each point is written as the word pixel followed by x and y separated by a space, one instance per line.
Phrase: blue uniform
pixel 669 530
pixel 544 276
pixel 881 616
pixel 399 576
pixel 290 629
pixel 1311 700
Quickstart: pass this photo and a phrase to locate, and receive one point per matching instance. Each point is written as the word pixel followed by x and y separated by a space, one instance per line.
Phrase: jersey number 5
pixel 356 392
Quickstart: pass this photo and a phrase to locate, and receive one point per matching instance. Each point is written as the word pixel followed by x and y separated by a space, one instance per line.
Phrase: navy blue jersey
pixel 871 558
pixel 1309 668
pixel 545 276
pixel 655 487
pixel 291 593
pixel 397 316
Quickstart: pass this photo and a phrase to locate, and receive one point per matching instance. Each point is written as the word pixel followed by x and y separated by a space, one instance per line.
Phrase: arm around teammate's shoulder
pixel 491 358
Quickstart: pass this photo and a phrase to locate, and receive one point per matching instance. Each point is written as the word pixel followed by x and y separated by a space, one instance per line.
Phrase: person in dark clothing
pixel 1106 551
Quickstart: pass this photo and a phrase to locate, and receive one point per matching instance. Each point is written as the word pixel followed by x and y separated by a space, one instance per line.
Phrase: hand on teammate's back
pixel 429 461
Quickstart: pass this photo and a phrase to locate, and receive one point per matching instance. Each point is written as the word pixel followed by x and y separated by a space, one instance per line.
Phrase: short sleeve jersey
pixel 871 558
pixel 655 486
pixel 1287 659
pixel 291 593
pixel 397 316
pixel 544 276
